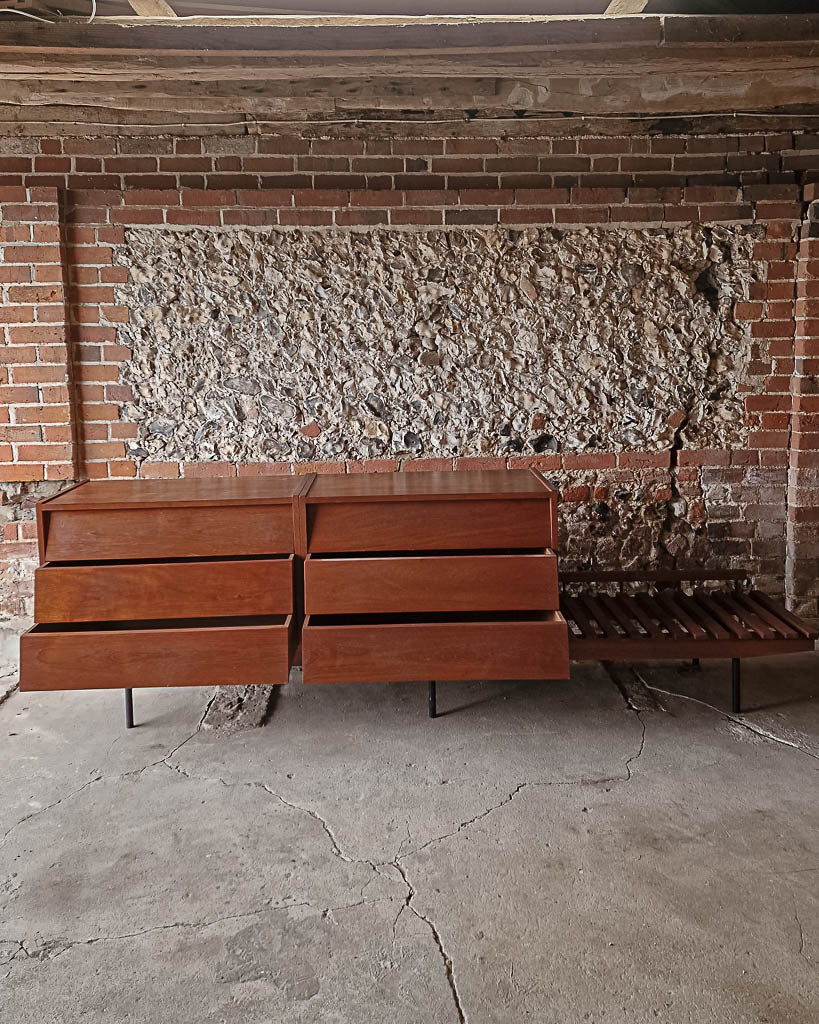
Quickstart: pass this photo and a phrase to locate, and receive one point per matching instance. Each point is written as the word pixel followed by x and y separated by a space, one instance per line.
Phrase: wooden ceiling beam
pixel 445 41
pixel 91 121
pixel 615 62
pixel 327 35
pixel 657 93
pixel 326 67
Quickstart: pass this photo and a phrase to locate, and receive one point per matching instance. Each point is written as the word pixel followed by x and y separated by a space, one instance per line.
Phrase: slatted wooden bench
pixel 662 621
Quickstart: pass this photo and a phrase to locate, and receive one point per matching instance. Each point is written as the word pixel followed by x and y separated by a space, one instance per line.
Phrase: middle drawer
pixel 430 583
pixel 160 590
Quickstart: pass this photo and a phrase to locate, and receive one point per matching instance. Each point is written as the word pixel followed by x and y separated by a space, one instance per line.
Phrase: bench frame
pixel 663 622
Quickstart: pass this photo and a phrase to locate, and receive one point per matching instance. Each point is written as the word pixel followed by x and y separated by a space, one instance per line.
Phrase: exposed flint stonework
pixel 273 345
pixel 17 562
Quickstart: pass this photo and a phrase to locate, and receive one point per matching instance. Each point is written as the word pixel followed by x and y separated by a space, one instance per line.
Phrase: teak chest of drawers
pixel 432 576
pixel 164 583
pixel 417 576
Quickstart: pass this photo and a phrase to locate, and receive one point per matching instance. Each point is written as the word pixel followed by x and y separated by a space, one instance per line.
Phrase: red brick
pixel 379 197
pixel 542 196
pixel 44 452
pixel 527 215
pixel 306 218
pixel 357 218
pixel 334 468
pixel 31 254
pixel 151 197
pixel 39 374
pixel 13 432
pixel 426 465
pixel 707 457
pixel 264 469
pixel 644 460
pixel 480 462
pixel 197 218
pixel 159 470
pixel 582 215
pixel 372 466
pixel 209 469
pixel 21 472
pixel 208 197
pixel 590 460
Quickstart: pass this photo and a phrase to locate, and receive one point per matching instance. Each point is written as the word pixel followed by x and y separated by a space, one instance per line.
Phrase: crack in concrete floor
pixel 396 862
pixel 758 730
pixel 377 867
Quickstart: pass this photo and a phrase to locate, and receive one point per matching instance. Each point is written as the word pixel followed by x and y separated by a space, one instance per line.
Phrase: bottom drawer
pixel 371 648
pixel 181 652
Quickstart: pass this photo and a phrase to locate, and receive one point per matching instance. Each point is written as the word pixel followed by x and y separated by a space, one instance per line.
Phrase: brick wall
pixel 293 162
pixel 67 202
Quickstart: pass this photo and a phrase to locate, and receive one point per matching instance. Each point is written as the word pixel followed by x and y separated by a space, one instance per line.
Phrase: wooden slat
pixel 735 628
pixel 630 627
pixel 715 628
pixel 646 648
pixel 605 620
pixel 579 616
pixel 586 602
pixel 652 607
pixel 666 597
pixel 648 624
pixel 782 613
pixel 779 627
pixel 748 619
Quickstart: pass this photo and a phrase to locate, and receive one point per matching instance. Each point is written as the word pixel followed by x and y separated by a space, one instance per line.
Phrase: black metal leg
pixel 736 696
pixel 695 663
pixel 433 710
pixel 129 709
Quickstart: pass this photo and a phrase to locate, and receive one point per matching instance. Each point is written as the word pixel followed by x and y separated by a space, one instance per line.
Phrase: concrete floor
pixel 549 853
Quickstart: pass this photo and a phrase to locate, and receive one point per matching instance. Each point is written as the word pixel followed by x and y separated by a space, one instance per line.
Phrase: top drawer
pixel 428 525
pixel 181 532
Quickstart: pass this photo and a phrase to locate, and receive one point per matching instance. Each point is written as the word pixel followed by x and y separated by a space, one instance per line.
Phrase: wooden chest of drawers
pixel 432 576
pixel 164 583
pixel 197 582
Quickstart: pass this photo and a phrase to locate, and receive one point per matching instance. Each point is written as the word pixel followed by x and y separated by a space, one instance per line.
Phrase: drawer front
pixel 435 583
pixel 428 525
pixel 404 652
pixel 87 659
pixel 116 534
pixel 163 590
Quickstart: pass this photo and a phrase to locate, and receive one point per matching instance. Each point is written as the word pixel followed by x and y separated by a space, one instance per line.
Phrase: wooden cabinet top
pixel 448 486
pixel 112 494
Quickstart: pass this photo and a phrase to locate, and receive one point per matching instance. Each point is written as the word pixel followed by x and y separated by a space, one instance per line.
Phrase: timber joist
pixel 325 68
